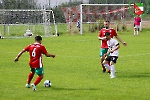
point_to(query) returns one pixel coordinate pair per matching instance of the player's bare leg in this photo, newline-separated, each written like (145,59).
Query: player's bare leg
(103,67)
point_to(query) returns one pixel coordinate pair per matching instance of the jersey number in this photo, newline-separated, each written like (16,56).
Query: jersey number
(33,52)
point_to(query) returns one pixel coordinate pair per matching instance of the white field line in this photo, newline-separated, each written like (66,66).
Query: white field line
(135,55)
(92,57)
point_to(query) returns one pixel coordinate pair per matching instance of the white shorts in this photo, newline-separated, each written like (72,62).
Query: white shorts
(137,26)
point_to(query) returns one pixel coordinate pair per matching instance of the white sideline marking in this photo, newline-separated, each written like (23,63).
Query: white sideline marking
(92,57)
(142,54)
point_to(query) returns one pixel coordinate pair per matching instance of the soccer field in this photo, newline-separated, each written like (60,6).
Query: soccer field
(75,72)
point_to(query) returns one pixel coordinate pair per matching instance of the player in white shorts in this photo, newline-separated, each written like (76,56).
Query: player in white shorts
(137,22)
(113,53)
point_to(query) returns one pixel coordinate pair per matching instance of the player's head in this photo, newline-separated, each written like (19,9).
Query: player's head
(38,39)
(138,15)
(106,24)
(107,34)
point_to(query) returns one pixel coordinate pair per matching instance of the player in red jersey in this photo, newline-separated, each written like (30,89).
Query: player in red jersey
(36,66)
(104,46)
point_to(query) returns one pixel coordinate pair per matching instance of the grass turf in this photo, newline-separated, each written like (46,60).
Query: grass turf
(75,73)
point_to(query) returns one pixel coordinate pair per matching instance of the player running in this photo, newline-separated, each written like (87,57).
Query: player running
(104,46)
(36,66)
(113,46)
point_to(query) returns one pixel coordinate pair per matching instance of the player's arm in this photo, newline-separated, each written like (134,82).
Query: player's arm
(50,55)
(117,47)
(111,51)
(18,56)
(106,53)
(139,21)
(45,52)
(100,37)
(119,39)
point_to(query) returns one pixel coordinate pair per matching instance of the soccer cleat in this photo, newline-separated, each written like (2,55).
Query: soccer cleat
(108,72)
(27,86)
(103,70)
(34,87)
(112,76)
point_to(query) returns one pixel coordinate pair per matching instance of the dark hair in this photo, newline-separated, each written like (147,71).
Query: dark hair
(107,21)
(107,33)
(38,38)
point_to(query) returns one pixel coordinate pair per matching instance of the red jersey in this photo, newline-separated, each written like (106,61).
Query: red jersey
(35,51)
(102,34)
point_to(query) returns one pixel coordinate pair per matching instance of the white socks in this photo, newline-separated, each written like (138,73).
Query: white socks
(107,66)
(112,68)
(112,75)
(136,32)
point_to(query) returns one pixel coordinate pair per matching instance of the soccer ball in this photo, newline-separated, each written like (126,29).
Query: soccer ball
(47,83)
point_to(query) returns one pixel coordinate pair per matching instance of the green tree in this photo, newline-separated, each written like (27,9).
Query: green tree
(114,1)
(18,4)
(59,15)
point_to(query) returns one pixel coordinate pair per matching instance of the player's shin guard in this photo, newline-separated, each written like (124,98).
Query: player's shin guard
(30,76)
(38,80)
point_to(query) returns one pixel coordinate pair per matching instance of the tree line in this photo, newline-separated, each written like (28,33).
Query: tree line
(59,15)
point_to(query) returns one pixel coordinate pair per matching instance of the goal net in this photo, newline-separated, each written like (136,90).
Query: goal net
(24,22)
(92,16)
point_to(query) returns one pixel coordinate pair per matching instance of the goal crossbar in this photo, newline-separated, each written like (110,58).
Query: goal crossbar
(107,4)
(81,11)
(23,10)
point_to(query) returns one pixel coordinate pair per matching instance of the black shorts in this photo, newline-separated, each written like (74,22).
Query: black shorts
(112,58)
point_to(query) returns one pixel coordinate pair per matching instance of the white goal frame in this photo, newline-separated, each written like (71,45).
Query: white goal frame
(81,11)
(46,22)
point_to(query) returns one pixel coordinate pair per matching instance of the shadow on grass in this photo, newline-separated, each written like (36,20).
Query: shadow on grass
(73,89)
(58,88)
(136,75)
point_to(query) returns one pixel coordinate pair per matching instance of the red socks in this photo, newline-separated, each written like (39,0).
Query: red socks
(38,80)
(30,76)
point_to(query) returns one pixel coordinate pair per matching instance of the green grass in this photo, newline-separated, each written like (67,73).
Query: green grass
(75,73)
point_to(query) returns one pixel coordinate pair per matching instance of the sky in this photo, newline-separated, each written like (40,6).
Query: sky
(53,3)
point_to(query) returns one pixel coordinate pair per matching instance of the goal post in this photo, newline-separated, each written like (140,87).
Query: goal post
(92,16)
(105,12)
(17,22)
(47,22)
